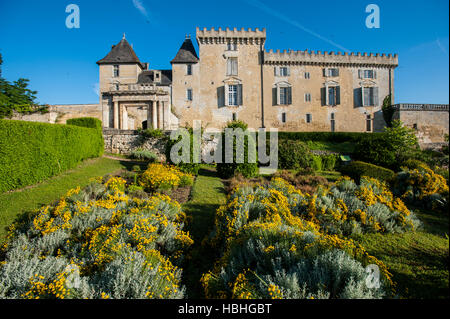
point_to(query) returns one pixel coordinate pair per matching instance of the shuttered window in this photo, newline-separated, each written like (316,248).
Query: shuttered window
(282,71)
(333,95)
(330,72)
(284,95)
(370,96)
(232,95)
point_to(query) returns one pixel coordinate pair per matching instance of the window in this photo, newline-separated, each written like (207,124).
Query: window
(232,95)
(189,94)
(283,117)
(232,46)
(333,123)
(369,96)
(368,123)
(308,118)
(116,71)
(284,95)
(307,75)
(189,69)
(367,74)
(330,72)
(415,126)
(234,116)
(232,66)
(333,95)
(307,97)
(282,71)
(117,86)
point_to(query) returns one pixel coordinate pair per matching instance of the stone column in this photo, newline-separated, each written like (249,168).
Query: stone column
(149,114)
(124,118)
(154,115)
(160,115)
(116,114)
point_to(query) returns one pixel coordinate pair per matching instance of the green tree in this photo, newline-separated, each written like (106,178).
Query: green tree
(388,110)
(15,96)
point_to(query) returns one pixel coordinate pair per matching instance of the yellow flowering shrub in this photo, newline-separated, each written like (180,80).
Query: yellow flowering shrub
(422,186)
(108,237)
(162,177)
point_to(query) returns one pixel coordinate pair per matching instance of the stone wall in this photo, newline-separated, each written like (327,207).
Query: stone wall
(125,141)
(430,121)
(61,113)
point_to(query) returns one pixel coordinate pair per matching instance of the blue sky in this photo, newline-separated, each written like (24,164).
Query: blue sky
(60,62)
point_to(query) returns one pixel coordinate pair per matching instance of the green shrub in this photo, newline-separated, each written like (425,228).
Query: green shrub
(151,133)
(335,137)
(227,170)
(189,168)
(329,162)
(293,154)
(355,170)
(143,154)
(31,152)
(316,163)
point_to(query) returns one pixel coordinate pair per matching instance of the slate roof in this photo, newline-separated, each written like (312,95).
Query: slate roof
(121,53)
(148,77)
(186,54)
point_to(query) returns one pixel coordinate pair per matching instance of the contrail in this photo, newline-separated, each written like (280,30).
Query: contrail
(138,5)
(281,16)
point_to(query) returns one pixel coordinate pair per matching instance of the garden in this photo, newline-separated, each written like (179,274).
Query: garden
(312,230)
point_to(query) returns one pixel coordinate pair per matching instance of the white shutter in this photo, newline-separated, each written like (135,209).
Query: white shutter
(229,66)
(277,71)
(360,75)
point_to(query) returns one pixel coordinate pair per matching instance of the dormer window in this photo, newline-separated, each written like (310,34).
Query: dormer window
(232,46)
(116,71)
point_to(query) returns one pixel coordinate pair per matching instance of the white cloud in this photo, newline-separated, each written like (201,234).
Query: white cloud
(138,5)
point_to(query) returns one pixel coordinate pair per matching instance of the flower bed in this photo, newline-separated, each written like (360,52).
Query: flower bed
(273,241)
(97,243)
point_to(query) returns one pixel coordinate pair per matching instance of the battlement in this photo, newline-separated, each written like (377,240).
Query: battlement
(330,58)
(222,35)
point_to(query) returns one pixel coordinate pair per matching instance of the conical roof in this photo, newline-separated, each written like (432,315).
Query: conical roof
(121,53)
(186,54)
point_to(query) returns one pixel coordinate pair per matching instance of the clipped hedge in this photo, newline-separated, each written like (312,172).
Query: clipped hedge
(31,152)
(85,122)
(336,137)
(357,169)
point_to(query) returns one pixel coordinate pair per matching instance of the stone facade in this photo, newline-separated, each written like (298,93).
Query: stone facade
(264,78)
(431,121)
(125,141)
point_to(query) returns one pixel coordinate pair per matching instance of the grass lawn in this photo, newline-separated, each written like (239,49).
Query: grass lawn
(207,195)
(15,203)
(419,261)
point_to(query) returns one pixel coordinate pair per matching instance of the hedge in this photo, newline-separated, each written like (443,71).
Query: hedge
(85,122)
(31,152)
(336,137)
(357,169)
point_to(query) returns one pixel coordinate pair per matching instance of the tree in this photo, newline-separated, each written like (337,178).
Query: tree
(388,110)
(15,96)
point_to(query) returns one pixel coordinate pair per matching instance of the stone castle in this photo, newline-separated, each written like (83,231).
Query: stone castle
(233,77)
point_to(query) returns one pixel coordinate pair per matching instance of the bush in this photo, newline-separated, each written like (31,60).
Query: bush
(393,147)
(31,152)
(151,133)
(355,170)
(189,168)
(267,247)
(334,137)
(160,177)
(293,155)
(329,162)
(316,163)
(227,170)
(422,186)
(97,243)
(143,154)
